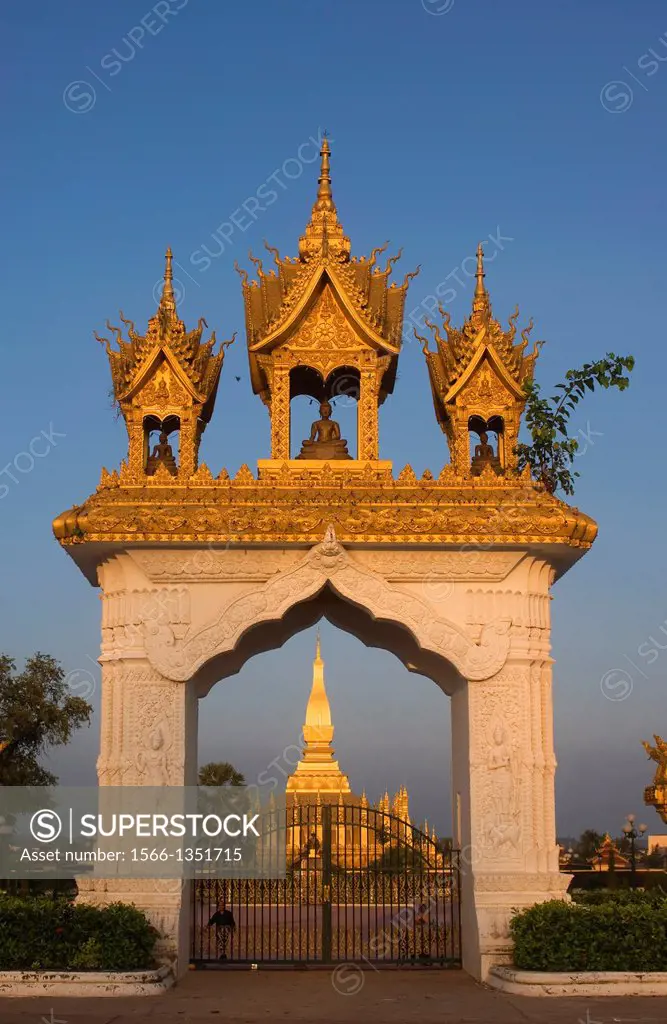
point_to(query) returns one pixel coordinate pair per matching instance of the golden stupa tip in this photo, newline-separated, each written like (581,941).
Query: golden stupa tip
(168,300)
(318,656)
(324,196)
(479,286)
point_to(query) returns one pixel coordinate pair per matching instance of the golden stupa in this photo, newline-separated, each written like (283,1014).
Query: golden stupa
(361,833)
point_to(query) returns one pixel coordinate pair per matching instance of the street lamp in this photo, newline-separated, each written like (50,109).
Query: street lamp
(633,835)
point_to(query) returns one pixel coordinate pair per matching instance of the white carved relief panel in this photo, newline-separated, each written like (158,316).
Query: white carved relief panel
(201,565)
(500,763)
(144,728)
(530,613)
(477,564)
(128,615)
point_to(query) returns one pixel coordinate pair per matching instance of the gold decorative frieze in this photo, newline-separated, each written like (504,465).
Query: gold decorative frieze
(296,508)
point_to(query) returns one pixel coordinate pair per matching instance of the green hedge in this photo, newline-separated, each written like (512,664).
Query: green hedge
(604,931)
(594,897)
(55,935)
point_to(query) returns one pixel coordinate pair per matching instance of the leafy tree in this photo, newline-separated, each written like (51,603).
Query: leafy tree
(444,845)
(37,712)
(220,773)
(397,859)
(383,835)
(624,845)
(588,844)
(551,451)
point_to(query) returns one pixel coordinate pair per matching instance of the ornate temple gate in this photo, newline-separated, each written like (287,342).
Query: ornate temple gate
(387,896)
(451,572)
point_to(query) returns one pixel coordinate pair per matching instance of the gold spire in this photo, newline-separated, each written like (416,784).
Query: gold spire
(317,771)
(168,299)
(324,236)
(480,303)
(318,726)
(480,275)
(324,199)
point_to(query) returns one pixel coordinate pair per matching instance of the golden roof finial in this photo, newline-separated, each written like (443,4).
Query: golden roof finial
(318,656)
(324,199)
(480,275)
(168,299)
(480,303)
(324,236)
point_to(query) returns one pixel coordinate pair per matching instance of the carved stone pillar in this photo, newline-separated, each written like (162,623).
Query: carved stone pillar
(510,438)
(280,414)
(187,446)
(367,416)
(136,457)
(148,737)
(460,446)
(503,777)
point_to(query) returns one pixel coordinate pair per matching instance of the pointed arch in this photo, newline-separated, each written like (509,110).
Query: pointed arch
(328,564)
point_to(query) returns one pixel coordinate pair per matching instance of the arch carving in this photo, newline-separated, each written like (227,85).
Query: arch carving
(329,563)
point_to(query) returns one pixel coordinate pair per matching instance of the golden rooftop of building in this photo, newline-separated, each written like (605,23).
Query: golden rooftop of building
(319,323)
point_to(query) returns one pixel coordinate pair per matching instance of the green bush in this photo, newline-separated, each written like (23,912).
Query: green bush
(42,934)
(594,897)
(610,931)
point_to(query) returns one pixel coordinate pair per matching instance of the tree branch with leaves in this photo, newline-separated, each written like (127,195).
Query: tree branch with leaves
(37,712)
(552,451)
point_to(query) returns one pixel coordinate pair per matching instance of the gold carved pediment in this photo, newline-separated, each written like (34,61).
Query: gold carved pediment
(325,339)
(325,328)
(485,393)
(162,391)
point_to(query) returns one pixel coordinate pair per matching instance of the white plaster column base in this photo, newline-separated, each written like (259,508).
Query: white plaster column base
(32,984)
(581,983)
(164,901)
(496,900)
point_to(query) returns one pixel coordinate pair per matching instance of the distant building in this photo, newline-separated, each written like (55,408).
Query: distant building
(565,856)
(657,844)
(609,857)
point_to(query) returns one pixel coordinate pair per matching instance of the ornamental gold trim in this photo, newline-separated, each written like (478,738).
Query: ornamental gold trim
(364,504)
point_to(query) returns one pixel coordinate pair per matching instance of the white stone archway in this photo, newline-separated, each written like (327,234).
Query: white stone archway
(451,572)
(175,620)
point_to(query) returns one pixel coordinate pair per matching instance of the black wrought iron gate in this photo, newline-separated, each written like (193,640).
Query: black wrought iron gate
(362,886)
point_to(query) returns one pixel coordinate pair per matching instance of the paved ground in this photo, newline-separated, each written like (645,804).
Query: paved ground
(386,997)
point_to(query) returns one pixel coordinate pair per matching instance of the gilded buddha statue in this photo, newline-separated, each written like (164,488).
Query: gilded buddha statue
(484,456)
(325,442)
(162,456)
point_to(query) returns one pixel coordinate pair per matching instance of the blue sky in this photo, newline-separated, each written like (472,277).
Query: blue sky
(450,123)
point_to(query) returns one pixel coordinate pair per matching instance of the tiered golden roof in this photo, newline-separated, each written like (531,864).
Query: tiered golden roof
(321,311)
(315,322)
(196,363)
(166,379)
(478,373)
(461,349)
